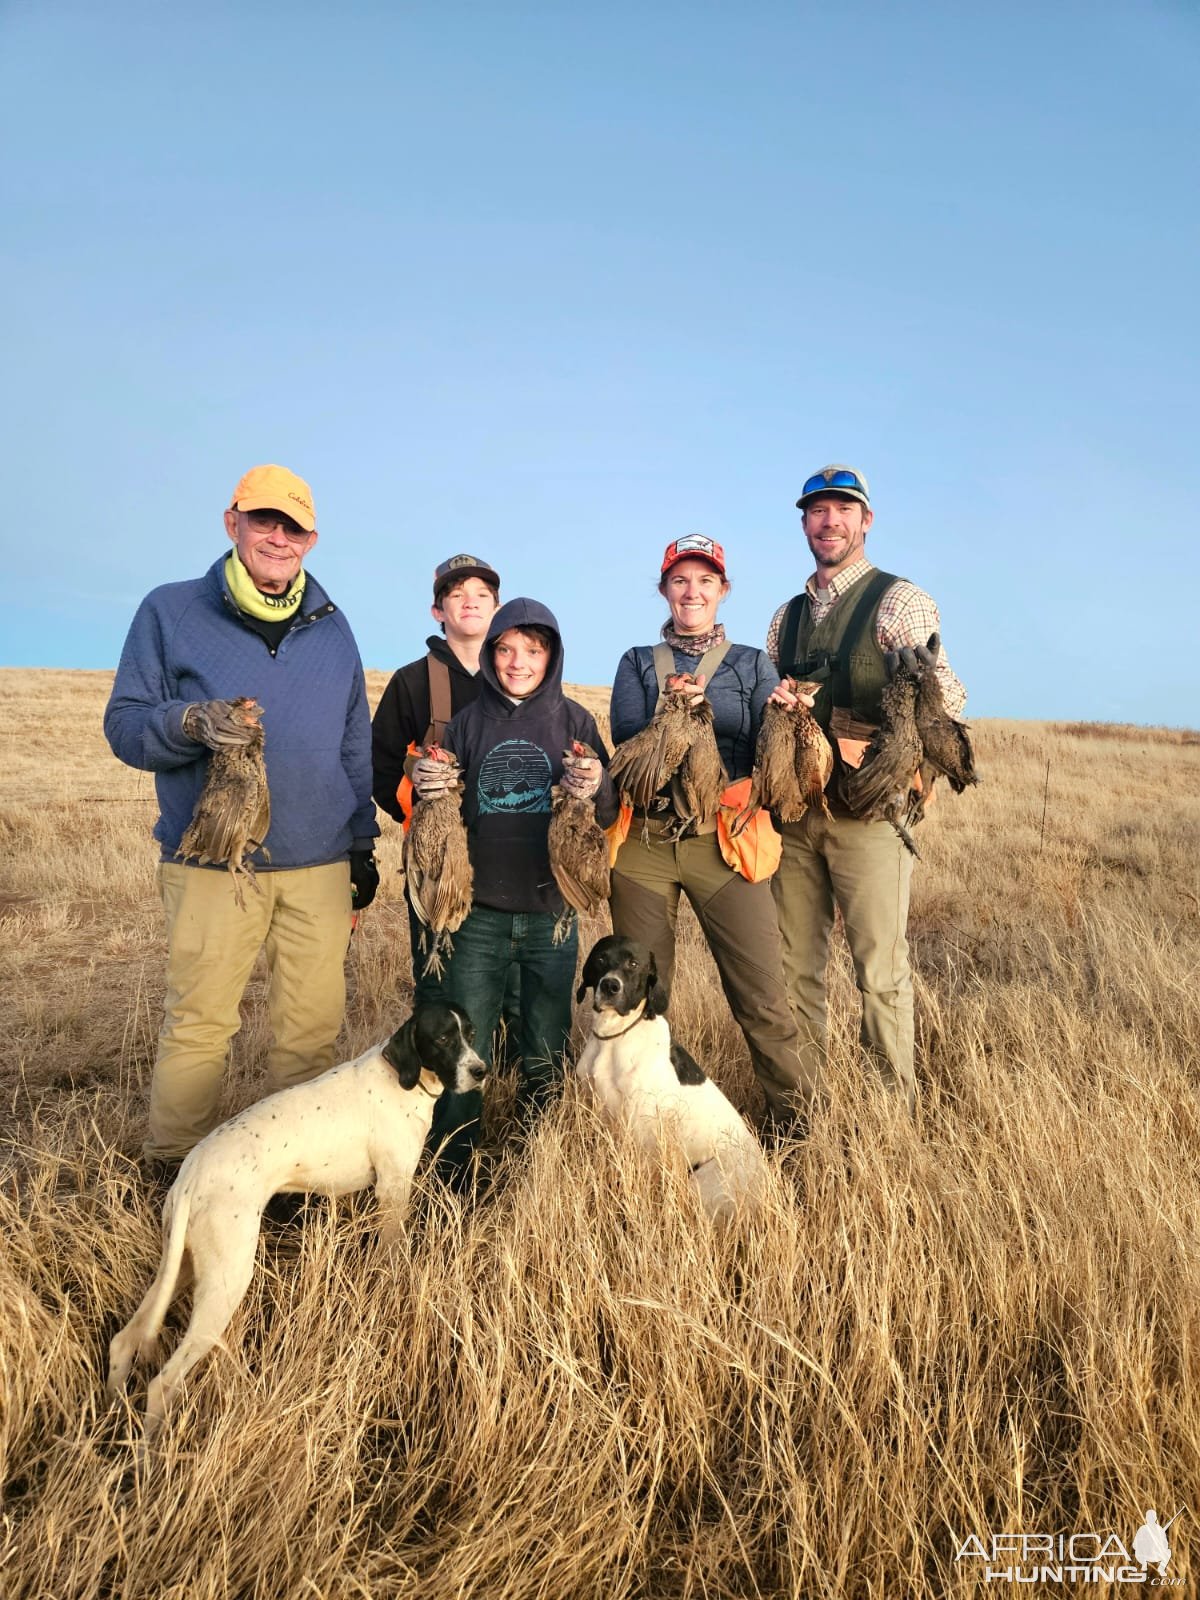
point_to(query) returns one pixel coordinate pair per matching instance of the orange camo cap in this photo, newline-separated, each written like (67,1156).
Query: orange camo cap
(274,488)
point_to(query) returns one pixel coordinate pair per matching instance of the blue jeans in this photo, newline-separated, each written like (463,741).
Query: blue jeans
(430,988)
(485,947)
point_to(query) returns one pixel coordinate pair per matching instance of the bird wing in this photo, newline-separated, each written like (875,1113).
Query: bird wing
(886,772)
(775,758)
(702,775)
(438,864)
(454,885)
(578,853)
(231,804)
(814,759)
(947,743)
(641,765)
(892,756)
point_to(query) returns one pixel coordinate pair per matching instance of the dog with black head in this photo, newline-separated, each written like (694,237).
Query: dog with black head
(364,1122)
(647,1084)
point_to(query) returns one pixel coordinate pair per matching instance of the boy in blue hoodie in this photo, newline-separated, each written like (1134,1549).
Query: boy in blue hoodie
(510,744)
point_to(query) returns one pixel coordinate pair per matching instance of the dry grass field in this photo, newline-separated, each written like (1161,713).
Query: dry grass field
(985,1323)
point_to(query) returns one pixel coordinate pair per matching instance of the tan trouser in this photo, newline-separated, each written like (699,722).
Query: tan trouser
(303,919)
(863,868)
(738,921)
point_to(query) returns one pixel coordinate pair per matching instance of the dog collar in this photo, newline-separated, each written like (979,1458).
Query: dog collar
(621,1032)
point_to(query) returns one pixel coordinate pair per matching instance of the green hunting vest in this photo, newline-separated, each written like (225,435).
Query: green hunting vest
(841,652)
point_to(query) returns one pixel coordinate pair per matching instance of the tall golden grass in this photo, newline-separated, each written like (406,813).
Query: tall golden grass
(984,1322)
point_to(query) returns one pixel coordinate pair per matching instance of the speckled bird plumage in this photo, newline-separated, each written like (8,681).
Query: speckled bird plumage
(578,850)
(946,743)
(643,764)
(677,746)
(233,812)
(697,787)
(437,866)
(814,753)
(793,761)
(881,788)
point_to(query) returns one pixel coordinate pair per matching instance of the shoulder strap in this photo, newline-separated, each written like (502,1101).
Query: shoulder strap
(872,593)
(712,659)
(664,664)
(789,634)
(439,699)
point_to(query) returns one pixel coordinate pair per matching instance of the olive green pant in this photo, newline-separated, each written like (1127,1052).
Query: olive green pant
(738,922)
(863,869)
(302,918)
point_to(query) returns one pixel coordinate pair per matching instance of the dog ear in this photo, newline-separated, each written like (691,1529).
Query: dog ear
(401,1052)
(587,978)
(656,994)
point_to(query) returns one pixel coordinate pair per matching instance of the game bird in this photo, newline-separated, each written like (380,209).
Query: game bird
(677,747)
(793,761)
(881,788)
(578,849)
(438,866)
(233,812)
(946,743)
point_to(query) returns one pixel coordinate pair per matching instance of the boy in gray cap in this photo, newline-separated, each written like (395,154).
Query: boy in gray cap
(422,697)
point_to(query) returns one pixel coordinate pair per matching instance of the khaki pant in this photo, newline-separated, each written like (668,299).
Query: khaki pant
(303,919)
(865,870)
(738,921)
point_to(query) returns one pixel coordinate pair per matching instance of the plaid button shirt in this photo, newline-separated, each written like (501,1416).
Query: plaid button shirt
(907,616)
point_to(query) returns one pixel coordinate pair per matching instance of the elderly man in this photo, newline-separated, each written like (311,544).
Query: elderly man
(255,625)
(847,630)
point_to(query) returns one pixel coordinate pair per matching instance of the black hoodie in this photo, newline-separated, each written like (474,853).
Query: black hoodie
(403,717)
(511,754)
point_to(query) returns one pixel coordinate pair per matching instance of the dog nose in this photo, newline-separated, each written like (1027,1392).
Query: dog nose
(609,985)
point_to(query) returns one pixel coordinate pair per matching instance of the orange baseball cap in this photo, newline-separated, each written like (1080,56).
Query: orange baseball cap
(693,544)
(276,489)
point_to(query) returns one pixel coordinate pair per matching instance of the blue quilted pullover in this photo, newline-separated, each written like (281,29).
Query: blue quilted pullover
(188,641)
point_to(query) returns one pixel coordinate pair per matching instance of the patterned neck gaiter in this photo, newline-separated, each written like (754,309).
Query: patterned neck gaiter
(693,644)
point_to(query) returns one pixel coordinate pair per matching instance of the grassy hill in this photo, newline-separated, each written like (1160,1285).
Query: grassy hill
(982,1323)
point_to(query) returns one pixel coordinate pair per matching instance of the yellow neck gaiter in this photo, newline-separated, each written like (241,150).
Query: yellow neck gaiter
(266,607)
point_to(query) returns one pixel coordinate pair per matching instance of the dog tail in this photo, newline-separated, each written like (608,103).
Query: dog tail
(176,1214)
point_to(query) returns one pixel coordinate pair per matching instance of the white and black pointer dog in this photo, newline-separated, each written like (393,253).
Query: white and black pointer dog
(364,1122)
(646,1083)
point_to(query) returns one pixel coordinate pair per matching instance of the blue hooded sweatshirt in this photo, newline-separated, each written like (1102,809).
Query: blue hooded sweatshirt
(188,641)
(511,754)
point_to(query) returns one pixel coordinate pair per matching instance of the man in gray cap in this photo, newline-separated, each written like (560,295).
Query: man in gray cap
(849,629)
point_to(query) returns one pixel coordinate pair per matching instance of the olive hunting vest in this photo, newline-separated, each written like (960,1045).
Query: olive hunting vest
(841,653)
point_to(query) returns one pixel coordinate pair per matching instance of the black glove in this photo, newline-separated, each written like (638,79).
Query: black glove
(913,658)
(364,878)
(220,724)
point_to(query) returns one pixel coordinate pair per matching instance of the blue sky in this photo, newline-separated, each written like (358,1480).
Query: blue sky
(556,283)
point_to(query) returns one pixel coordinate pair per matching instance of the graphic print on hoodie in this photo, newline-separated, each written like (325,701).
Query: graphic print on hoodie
(511,756)
(515,776)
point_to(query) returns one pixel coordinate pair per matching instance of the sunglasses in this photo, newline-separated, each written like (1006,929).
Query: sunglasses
(833,480)
(264,521)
